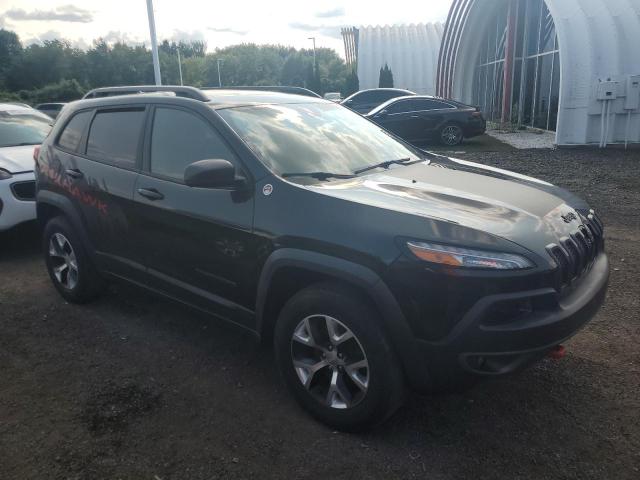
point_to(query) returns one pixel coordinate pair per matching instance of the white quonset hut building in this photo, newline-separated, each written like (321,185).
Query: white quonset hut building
(572,66)
(411,51)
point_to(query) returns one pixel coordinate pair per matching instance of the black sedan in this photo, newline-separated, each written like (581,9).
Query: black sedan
(50,109)
(423,119)
(366,100)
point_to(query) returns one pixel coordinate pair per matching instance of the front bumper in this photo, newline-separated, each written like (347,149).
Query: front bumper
(487,343)
(12,209)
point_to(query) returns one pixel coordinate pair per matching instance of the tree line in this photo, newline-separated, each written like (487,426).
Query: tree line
(57,71)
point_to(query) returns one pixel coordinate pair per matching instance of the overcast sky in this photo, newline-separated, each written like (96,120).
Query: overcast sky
(287,22)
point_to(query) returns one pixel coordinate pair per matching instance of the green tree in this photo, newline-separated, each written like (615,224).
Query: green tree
(32,70)
(194,71)
(40,65)
(119,64)
(313,81)
(10,53)
(332,70)
(246,64)
(351,84)
(386,77)
(63,91)
(187,49)
(294,70)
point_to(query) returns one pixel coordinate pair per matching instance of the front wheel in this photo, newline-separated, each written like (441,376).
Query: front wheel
(451,135)
(335,358)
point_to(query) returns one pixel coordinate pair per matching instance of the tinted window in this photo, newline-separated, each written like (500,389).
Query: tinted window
(427,104)
(23,129)
(180,138)
(114,136)
(72,133)
(401,106)
(364,97)
(312,137)
(384,96)
(380,96)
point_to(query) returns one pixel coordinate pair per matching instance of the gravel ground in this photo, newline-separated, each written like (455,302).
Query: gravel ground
(525,139)
(133,387)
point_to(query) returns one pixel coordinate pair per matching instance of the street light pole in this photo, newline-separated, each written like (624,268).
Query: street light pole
(154,43)
(314,52)
(179,66)
(219,61)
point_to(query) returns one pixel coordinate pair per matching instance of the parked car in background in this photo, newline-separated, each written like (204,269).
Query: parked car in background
(333,96)
(50,109)
(21,127)
(366,100)
(391,267)
(422,119)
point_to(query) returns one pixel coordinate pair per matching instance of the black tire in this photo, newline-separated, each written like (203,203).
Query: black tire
(385,389)
(451,135)
(87,283)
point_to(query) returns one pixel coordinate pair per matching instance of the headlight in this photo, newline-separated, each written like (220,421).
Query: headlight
(464,257)
(4,174)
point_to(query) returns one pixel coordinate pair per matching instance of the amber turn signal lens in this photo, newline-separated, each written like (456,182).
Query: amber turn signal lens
(465,257)
(435,257)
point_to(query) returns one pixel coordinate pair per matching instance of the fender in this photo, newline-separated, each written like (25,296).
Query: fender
(394,322)
(65,205)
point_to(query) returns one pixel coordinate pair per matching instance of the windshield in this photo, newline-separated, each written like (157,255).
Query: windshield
(314,137)
(22,129)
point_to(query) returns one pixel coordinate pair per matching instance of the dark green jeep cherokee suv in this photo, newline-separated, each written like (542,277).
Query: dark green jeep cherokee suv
(370,265)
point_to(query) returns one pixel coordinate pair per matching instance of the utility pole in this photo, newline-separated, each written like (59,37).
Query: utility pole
(219,61)
(154,43)
(179,65)
(314,52)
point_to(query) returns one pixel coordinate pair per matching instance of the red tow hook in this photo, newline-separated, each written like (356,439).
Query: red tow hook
(557,352)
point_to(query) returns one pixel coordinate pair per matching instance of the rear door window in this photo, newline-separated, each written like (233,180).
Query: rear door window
(428,104)
(383,95)
(386,95)
(365,97)
(180,138)
(402,106)
(72,134)
(115,135)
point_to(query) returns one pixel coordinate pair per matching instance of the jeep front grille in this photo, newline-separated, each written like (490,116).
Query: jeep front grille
(575,253)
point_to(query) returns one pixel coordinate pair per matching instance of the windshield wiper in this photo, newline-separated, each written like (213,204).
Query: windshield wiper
(386,164)
(318,175)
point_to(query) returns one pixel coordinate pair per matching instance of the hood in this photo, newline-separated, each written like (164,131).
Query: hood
(17,159)
(517,208)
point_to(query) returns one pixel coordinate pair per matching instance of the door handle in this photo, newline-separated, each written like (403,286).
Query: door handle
(415,116)
(73,173)
(150,193)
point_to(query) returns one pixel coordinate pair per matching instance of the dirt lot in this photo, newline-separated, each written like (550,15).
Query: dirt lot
(133,387)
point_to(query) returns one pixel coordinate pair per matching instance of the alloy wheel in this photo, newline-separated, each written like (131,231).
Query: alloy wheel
(451,135)
(330,361)
(63,261)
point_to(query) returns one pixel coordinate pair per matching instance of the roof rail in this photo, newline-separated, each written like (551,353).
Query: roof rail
(274,88)
(178,90)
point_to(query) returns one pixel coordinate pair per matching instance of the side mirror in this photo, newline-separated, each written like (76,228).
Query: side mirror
(215,173)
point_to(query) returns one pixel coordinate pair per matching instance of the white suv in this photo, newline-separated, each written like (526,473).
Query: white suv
(21,128)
